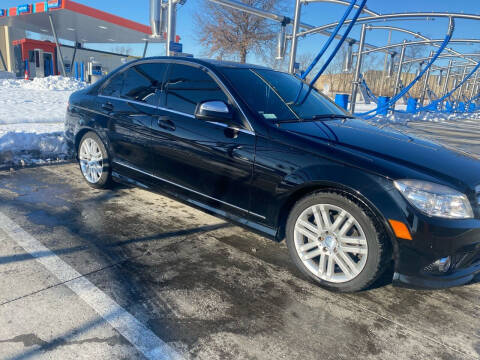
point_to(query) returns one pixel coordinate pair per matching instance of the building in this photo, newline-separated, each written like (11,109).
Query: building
(28,55)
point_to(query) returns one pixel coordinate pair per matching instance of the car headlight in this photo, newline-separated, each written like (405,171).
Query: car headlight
(435,200)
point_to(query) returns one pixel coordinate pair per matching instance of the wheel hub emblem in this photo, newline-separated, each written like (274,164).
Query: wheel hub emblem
(330,242)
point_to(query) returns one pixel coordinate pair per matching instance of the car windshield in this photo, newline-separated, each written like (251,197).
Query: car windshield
(273,95)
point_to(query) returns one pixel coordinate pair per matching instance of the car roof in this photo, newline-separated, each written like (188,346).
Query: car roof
(209,62)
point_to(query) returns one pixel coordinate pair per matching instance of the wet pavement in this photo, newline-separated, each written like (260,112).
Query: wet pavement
(208,289)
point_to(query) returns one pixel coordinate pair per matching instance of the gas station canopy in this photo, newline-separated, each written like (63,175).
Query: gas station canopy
(75,22)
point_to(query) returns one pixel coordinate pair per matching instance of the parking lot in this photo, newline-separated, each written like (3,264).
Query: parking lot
(117,274)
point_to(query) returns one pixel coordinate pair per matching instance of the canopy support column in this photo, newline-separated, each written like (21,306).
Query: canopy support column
(73,57)
(59,50)
(145,49)
(3,61)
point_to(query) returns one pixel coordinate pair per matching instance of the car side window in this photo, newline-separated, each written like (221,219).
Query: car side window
(144,83)
(114,86)
(187,86)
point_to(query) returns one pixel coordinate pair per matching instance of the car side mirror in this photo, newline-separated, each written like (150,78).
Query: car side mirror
(216,111)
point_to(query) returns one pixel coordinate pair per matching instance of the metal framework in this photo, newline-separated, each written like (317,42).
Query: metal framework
(291,29)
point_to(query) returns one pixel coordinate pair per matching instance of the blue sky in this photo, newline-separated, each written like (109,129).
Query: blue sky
(315,14)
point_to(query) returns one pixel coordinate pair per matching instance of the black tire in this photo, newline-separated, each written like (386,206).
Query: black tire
(105,180)
(378,249)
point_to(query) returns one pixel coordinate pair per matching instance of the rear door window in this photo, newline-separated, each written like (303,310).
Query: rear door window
(114,86)
(188,86)
(144,83)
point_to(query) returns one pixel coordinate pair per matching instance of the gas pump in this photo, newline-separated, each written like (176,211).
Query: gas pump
(94,71)
(39,64)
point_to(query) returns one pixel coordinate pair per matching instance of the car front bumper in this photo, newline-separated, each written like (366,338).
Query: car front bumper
(434,239)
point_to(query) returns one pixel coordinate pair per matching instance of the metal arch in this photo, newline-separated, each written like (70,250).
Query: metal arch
(396,28)
(420,42)
(234,4)
(440,57)
(434,56)
(376,15)
(418,35)
(373,13)
(255,11)
(340,2)
(395,16)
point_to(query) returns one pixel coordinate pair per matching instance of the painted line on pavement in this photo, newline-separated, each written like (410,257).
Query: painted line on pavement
(142,338)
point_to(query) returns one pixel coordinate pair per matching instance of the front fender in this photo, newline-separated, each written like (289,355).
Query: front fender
(377,193)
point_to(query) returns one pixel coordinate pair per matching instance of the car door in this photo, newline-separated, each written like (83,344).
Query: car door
(206,161)
(132,111)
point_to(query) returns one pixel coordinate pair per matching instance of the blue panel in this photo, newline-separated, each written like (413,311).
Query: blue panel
(342,100)
(76,71)
(433,106)
(449,106)
(82,71)
(21,9)
(176,47)
(382,105)
(3,12)
(412,106)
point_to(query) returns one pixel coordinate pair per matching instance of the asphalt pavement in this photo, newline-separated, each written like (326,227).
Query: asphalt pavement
(127,274)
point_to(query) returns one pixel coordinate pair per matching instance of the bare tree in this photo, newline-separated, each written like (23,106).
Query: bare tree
(230,33)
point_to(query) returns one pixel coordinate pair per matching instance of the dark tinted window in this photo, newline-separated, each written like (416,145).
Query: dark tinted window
(114,86)
(187,86)
(308,104)
(143,83)
(258,95)
(275,95)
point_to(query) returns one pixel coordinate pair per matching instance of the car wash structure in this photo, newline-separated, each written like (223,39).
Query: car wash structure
(28,55)
(459,88)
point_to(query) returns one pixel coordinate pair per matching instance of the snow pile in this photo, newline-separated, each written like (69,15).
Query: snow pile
(32,115)
(55,83)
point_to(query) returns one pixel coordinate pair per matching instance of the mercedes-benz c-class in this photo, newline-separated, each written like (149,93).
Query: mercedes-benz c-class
(264,150)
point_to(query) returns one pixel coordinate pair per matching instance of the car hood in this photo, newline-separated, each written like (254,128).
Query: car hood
(428,157)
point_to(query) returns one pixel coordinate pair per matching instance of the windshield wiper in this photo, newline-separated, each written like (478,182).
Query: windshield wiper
(332,116)
(316,118)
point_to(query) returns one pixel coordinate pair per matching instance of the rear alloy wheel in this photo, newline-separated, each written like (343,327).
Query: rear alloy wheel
(94,161)
(335,242)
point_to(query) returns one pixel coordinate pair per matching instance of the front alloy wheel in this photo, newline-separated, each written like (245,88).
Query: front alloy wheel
(335,242)
(331,243)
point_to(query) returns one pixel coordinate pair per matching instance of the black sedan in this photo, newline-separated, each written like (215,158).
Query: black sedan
(262,149)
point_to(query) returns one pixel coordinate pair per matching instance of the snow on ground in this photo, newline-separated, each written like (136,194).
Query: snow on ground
(32,117)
